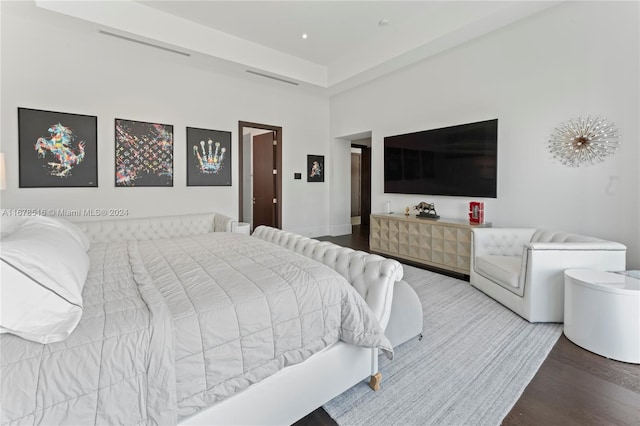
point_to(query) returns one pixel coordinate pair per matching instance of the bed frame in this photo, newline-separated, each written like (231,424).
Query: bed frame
(297,390)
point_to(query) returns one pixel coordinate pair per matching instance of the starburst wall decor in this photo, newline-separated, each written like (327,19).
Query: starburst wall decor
(583,141)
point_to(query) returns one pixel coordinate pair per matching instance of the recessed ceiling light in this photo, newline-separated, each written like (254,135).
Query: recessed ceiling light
(304,36)
(383,22)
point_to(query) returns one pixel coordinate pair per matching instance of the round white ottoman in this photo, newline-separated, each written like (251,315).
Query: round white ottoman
(602,313)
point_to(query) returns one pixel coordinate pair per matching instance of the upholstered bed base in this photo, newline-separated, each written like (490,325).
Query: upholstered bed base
(294,392)
(371,275)
(405,319)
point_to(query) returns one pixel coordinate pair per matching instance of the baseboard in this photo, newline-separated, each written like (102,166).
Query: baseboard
(322,231)
(346,229)
(319,231)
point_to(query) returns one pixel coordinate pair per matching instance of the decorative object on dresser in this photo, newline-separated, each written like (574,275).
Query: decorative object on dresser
(208,157)
(441,243)
(426,210)
(476,212)
(57,149)
(583,141)
(524,268)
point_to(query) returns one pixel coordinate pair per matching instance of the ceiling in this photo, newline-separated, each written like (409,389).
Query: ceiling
(334,28)
(346,45)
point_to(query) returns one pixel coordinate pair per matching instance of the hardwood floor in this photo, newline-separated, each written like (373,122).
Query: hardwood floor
(572,387)
(576,387)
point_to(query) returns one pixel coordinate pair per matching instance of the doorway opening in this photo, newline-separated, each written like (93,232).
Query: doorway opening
(361,183)
(260,172)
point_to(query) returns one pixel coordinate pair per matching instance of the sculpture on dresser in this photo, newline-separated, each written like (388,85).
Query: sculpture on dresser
(426,210)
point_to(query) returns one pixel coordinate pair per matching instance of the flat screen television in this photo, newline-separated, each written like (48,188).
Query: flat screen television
(458,161)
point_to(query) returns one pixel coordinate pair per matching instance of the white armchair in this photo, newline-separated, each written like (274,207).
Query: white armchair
(524,268)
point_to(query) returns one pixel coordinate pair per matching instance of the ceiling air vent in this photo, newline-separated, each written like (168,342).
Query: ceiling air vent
(272,77)
(143,42)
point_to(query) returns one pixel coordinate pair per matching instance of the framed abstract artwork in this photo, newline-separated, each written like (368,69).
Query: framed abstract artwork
(315,168)
(208,157)
(144,153)
(57,149)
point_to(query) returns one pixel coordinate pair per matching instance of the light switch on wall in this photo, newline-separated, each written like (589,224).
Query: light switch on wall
(611,187)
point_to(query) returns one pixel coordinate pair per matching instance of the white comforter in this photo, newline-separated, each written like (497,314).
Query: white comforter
(174,325)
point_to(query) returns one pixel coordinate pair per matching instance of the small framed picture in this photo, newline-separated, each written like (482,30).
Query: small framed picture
(57,149)
(208,157)
(144,154)
(315,168)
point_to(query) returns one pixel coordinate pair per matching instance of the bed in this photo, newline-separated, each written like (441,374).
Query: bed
(183,321)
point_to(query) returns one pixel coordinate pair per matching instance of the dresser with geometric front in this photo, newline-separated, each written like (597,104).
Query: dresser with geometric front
(442,243)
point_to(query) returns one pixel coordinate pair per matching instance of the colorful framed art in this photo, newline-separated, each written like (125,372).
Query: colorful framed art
(315,168)
(208,157)
(144,153)
(57,149)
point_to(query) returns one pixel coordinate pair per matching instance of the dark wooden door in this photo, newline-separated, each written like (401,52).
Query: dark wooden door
(355,184)
(263,181)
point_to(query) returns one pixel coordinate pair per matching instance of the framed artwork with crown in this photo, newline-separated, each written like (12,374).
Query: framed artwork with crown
(208,157)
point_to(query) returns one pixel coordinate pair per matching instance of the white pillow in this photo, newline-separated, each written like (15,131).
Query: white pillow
(71,228)
(9,224)
(44,266)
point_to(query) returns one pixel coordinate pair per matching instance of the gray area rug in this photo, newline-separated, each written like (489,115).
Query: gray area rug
(474,362)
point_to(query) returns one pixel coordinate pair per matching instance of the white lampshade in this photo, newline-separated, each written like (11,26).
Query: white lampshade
(3,181)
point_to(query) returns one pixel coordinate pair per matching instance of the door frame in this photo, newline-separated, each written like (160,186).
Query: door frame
(278,159)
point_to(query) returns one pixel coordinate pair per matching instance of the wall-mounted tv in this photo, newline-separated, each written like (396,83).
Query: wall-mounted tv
(458,160)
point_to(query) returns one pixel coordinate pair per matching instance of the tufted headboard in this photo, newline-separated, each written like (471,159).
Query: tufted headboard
(371,275)
(153,228)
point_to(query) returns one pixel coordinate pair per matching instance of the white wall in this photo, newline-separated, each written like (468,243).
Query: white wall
(57,63)
(340,181)
(572,60)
